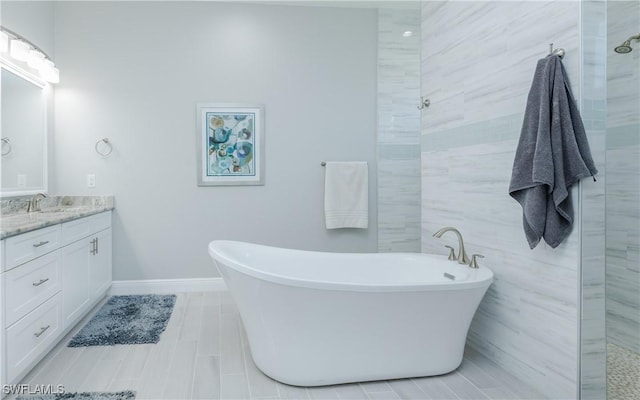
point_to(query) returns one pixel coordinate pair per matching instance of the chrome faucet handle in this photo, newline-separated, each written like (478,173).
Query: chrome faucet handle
(474,262)
(462,255)
(452,252)
(34,202)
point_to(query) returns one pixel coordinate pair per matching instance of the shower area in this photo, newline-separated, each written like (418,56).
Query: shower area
(622,288)
(610,89)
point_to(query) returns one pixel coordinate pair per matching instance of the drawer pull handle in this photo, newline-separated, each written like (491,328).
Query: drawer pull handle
(42,330)
(40,282)
(40,244)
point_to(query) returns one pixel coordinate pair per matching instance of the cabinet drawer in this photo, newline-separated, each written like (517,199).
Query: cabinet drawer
(2,255)
(100,221)
(30,285)
(75,230)
(29,338)
(27,246)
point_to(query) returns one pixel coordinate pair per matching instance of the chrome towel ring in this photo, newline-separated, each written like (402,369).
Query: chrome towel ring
(106,149)
(6,143)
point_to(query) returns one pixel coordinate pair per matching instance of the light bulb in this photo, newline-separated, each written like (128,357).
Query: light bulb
(49,72)
(36,59)
(4,42)
(19,50)
(54,76)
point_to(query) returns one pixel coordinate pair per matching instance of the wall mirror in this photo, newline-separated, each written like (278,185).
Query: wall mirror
(23,135)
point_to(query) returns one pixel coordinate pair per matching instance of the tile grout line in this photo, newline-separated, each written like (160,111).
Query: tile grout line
(173,356)
(113,378)
(450,388)
(244,353)
(419,388)
(66,370)
(219,295)
(366,393)
(472,384)
(93,367)
(195,359)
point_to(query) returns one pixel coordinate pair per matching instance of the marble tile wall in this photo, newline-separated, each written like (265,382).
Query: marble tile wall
(592,206)
(486,54)
(398,130)
(623,245)
(623,178)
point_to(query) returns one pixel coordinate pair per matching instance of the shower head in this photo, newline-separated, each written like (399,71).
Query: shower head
(625,47)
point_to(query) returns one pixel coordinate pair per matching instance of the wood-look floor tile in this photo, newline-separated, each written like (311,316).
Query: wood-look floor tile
(204,354)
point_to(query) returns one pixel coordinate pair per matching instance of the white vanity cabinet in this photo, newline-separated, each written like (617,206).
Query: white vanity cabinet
(86,264)
(51,278)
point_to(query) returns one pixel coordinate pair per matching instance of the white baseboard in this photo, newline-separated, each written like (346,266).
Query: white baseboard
(161,286)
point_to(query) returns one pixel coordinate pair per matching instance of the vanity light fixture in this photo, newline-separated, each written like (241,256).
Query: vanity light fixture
(49,72)
(36,59)
(4,42)
(27,56)
(19,50)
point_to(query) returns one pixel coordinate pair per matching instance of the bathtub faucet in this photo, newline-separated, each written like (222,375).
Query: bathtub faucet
(462,255)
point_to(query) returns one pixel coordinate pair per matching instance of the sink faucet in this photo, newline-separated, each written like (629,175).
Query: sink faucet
(34,203)
(462,255)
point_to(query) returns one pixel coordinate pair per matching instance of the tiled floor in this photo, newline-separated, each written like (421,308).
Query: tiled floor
(204,354)
(623,373)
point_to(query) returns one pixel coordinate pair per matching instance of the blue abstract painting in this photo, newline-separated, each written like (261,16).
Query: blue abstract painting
(231,143)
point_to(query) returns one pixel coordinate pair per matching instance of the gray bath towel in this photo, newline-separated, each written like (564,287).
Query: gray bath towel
(553,154)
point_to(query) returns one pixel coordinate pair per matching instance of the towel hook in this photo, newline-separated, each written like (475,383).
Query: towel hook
(424,103)
(557,52)
(6,143)
(109,147)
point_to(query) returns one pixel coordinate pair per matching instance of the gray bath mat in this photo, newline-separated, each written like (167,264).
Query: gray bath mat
(127,320)
(126,395)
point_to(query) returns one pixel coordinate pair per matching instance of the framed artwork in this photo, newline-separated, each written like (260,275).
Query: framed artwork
(230,144)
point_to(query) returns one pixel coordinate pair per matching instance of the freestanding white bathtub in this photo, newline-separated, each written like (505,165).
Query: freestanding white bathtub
(317,318)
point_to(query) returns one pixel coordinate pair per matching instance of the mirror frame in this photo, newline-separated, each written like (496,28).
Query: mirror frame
(16,70)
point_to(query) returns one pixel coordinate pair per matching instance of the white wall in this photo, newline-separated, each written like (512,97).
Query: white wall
(133,72)
(478,60)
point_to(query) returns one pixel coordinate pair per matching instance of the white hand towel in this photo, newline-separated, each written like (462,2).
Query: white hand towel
(346,195)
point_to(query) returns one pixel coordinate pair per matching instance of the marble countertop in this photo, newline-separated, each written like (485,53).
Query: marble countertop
(54,212)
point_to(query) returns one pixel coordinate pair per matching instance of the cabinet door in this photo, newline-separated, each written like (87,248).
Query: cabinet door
(75,279)
(100,264)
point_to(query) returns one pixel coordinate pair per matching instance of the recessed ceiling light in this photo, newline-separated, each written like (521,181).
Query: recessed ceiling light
(407,34)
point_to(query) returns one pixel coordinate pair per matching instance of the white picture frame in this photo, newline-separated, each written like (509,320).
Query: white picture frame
(230,144)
